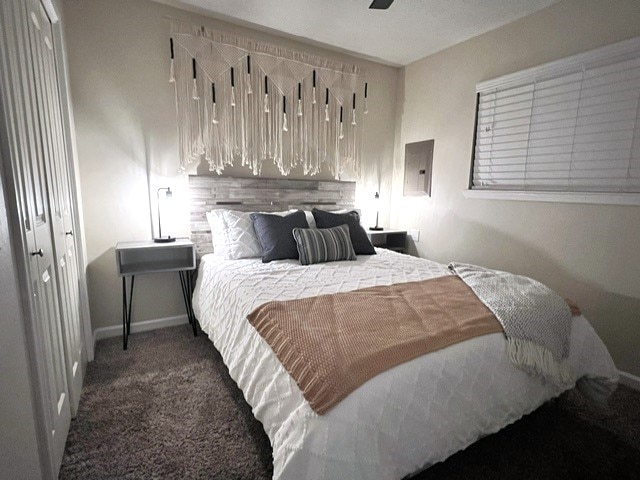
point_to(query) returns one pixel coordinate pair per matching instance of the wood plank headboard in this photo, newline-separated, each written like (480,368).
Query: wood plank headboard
(207,192)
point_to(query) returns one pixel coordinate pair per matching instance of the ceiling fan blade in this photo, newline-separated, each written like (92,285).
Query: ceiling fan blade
(380,4)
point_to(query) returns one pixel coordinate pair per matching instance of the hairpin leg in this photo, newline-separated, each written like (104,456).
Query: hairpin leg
(126,310)
(187,290)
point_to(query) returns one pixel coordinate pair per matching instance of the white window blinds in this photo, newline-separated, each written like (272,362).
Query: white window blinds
(570,126)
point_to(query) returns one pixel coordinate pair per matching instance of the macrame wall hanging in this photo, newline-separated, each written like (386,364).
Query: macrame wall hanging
(247,102)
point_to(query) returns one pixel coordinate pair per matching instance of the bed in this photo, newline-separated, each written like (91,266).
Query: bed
(402,420)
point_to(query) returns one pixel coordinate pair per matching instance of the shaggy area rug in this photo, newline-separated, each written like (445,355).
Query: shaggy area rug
(167,408)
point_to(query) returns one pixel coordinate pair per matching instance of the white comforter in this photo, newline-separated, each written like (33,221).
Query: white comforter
(397,423)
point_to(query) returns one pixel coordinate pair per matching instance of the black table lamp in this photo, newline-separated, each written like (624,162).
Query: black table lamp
(376,199)
(160,238)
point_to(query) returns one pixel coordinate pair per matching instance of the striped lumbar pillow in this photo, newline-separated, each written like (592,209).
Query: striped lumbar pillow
(324,245)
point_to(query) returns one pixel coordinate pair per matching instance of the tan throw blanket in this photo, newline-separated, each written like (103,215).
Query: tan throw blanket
(332,344)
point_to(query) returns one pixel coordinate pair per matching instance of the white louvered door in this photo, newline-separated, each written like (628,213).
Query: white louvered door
(47,284)
(31,140)
(61,205)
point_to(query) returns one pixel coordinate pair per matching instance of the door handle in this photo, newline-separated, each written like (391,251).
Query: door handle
(37,252)
(70,232)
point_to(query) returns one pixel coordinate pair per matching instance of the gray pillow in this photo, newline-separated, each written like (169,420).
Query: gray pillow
(323,245)
(275,234)
(359,239)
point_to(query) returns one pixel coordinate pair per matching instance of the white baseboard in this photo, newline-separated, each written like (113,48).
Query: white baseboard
(629,380)
(144,326)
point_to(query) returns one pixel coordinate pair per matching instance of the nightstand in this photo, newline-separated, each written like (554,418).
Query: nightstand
(139,258)
(395,240)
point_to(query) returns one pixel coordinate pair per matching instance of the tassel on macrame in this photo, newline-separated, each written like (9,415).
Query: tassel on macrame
(326,105)
(249,89)
(353,111)
(299,112)
(266,95)
(172,76)
(194,90)
(366,105)
(313,91)
(233,89)
(341,136)
(285,127)
(214,114)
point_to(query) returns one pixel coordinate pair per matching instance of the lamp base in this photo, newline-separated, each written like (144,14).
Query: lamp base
(168,239)
(376,229)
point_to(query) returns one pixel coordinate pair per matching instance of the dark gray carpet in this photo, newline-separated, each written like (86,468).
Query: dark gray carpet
(167,408)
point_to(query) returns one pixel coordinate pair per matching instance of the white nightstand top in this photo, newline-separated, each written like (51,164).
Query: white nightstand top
(385,231)
(180,242)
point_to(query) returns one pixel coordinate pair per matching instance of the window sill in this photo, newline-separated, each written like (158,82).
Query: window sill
(563,197)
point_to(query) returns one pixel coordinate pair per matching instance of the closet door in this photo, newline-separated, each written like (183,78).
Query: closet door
(35,139)
(60,198)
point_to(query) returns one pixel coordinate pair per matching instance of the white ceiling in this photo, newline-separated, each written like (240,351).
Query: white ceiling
(407,31)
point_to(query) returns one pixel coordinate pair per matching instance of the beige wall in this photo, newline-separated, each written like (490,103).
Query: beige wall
(125,124)
(587,252)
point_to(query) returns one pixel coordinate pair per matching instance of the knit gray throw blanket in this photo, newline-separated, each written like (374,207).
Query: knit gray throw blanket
(535,319)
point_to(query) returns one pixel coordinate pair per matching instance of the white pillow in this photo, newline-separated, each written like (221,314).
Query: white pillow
(282,214)
(232,235)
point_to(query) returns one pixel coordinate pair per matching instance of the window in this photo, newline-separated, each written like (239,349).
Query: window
(568,126)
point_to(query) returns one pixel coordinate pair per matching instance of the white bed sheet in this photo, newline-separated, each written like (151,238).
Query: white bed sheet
(399,422)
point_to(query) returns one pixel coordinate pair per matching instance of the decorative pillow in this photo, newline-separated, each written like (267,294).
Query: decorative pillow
(233,235)
(312,221)
(324,245)
(274,234)
(361,243)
